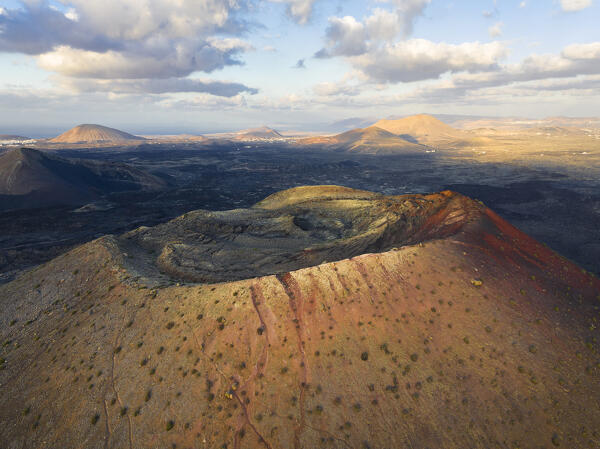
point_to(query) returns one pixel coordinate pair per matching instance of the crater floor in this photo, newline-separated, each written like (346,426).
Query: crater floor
(293,229)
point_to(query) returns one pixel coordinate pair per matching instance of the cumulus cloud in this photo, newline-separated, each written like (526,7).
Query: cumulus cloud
(346,36)
(378,48)
(158,62)
(137,39)
(299,10)
(575,5)
(577,67)
(588,51)
(37,29)
(407,11)
(420,59)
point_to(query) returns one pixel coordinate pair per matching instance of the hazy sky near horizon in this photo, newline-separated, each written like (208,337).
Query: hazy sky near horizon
(215,65)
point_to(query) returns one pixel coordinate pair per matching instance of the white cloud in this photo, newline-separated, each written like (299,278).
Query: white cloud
(383,24)
(141,19)
(185,58)
(420,59)
(205,102)
(156,86)
(299,10)
(575,5)
(327,89)
(522,4)
(408,11)
(135,39)
(71,14)
(577,67)
(582,51)
(496,29)
(346,36)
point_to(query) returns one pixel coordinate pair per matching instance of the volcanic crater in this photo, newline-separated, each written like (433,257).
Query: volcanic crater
(469,335)
(288,231)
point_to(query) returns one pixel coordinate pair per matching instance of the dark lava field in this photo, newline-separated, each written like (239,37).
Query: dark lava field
(556,205)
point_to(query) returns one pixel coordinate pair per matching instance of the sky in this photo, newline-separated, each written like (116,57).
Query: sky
(200,66)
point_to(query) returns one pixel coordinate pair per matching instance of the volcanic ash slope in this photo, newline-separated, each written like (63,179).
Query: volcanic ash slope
(434,323)
(94,134)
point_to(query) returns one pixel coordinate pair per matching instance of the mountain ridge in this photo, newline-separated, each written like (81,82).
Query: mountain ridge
(262,132)
(371,140)
(31,178)
(423,127)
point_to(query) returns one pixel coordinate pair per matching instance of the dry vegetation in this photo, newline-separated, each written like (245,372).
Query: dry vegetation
(478,338)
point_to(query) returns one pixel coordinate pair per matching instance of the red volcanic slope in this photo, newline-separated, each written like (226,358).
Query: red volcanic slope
(472,336)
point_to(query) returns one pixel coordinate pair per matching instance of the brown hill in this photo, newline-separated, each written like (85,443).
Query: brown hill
(434,324)
(371,140)
(258,133)
(31,178)
(423,128)
(94,134)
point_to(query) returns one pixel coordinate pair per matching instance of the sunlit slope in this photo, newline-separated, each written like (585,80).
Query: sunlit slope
(462,333)
(94,134)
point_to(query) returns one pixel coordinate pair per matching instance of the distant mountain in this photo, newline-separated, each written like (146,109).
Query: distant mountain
(12,137)
(30,178)
(422,128)
(94,134)
(520,123)
(371,140)
(258,133)
(177,137)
